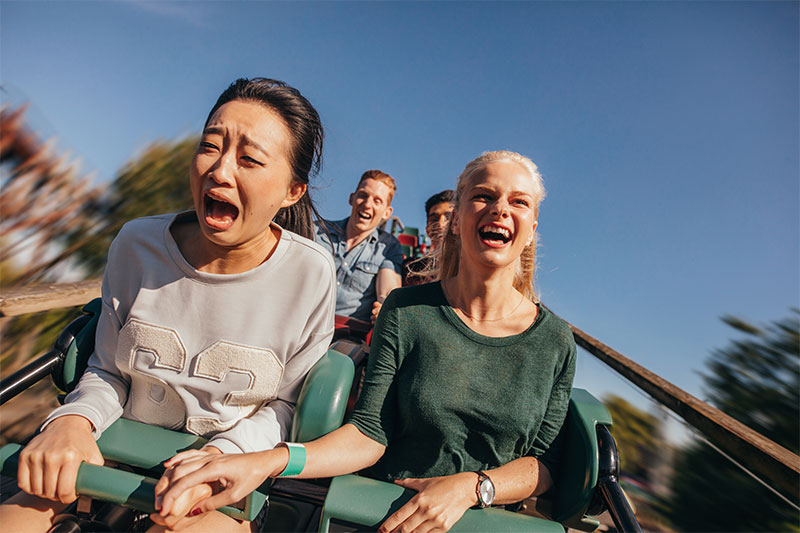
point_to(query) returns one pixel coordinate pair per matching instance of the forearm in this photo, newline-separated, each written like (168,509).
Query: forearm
(343,451)
(519,479)
(386,281)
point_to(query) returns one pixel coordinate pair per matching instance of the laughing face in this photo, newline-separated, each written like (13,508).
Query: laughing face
(241,175)
(371,206)
(496,217)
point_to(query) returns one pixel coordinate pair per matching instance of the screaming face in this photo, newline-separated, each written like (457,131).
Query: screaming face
(241,176)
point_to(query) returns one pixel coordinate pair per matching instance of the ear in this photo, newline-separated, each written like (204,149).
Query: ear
(454,228)
(295,192)
(533,233)
(350,198)
(387,213)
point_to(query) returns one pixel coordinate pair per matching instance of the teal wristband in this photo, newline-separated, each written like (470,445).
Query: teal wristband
(297,459)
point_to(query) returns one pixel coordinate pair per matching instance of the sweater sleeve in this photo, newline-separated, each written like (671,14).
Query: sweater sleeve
(556,412)
(272,423)
(102,391)
(374,412)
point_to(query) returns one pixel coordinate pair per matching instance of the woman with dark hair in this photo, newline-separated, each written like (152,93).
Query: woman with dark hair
(212,317)
(467,383)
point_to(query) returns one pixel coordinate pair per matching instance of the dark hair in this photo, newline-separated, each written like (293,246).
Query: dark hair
(438,198)
(305,152)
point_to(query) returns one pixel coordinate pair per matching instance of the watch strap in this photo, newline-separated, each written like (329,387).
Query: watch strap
(481,478)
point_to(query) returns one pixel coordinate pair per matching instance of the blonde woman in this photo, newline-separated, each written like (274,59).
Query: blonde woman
(468,378)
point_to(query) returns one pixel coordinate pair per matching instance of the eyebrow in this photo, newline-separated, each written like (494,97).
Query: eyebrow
(492,189)
(216,130)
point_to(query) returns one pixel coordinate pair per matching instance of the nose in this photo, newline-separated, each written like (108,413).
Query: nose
(500,207)
(224,169)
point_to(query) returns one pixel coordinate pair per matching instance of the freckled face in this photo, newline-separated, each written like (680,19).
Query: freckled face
(496,217)
(371,205)
(241,174)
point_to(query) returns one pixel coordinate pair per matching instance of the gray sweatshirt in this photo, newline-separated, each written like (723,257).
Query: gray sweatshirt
(222,356)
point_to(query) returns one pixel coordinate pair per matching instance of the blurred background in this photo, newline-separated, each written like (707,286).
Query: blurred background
(667,134)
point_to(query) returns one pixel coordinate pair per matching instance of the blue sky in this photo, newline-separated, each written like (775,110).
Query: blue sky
(667,133)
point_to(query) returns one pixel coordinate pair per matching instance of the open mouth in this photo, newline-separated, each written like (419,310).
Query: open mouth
(219,213)
(366,217)
(494,235)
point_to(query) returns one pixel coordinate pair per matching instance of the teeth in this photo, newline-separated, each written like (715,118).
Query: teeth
(497,229)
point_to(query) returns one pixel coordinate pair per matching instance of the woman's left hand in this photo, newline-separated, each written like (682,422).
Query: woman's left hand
(180,513)
(439,504)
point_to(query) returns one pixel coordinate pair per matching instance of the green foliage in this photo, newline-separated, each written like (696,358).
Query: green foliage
(637,434)
(757,381)
(155,182)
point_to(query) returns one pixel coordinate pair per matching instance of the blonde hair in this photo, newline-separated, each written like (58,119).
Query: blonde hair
(448,256)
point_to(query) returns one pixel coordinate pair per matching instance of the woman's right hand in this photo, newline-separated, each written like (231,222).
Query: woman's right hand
(48,465)
(239,474)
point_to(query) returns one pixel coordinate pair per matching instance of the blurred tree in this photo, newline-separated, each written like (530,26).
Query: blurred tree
(42,197)
(155,182)
(757,381)
(76,225)
(637,433)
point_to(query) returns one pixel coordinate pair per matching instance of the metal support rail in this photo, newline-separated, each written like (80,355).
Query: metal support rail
(608,481)
(762,456)
(44,297)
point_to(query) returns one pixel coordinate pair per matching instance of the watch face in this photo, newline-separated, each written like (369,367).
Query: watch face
(487,492)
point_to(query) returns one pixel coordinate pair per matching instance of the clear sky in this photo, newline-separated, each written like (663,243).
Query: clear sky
(667,133)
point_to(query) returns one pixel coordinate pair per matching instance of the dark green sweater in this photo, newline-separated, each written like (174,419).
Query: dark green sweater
(444,399)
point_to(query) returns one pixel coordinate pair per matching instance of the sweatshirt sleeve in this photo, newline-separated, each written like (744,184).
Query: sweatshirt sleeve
(102,391)
(271,424)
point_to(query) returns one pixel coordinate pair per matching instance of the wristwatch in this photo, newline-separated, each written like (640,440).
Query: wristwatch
(484,489)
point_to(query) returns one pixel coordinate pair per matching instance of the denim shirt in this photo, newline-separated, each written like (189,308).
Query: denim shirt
(357,269)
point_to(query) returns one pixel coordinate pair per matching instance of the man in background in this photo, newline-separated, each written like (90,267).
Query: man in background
(368,260)
(438,209)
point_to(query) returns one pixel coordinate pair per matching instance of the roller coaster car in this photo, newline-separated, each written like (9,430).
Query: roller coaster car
(586,484)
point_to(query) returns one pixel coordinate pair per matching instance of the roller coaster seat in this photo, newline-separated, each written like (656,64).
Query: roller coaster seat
(366,502)
(320,409)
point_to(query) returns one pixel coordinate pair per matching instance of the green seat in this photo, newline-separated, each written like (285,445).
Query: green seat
(408,230)
(351,499)
(367,502)
(320,409)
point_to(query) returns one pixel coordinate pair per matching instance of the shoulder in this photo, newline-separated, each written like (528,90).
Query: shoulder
(307,254)
(387,238)
(325,229)
(555,330)
(427,294)
(145,225)
(390,248)
(330,226)
(554,322)
(143,230)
